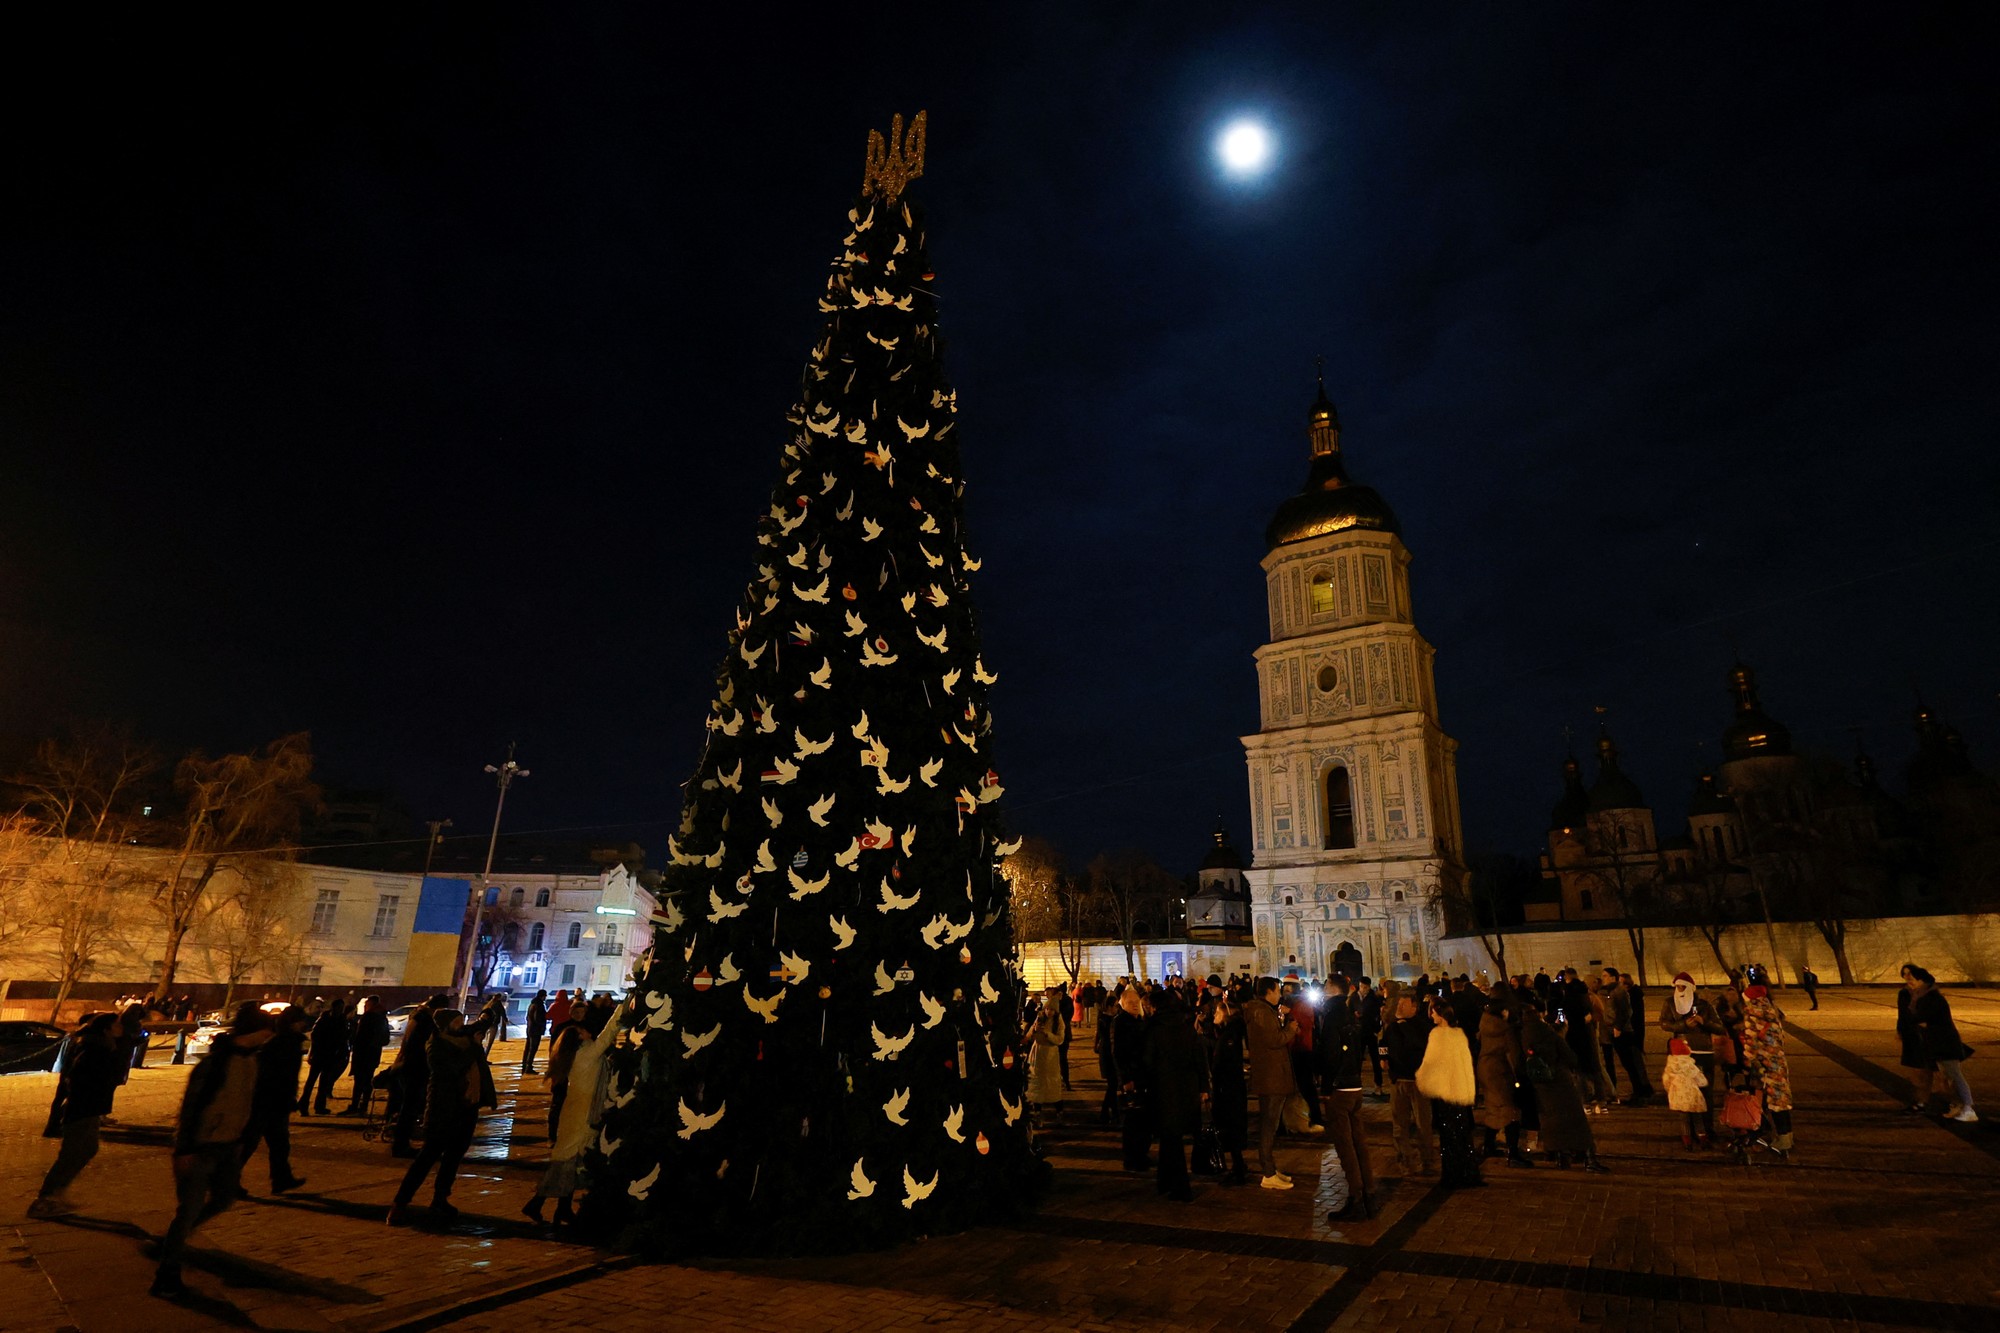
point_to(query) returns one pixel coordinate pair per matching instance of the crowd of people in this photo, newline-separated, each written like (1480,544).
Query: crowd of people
(1511,1071)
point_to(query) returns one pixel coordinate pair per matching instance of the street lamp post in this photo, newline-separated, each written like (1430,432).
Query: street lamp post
(504,775)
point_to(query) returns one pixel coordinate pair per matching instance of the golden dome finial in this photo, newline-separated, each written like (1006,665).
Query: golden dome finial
(891,166)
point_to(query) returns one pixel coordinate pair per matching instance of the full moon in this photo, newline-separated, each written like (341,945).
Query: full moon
(1245,146)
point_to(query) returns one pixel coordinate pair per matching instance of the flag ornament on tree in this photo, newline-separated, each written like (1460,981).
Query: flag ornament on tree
(829,1057)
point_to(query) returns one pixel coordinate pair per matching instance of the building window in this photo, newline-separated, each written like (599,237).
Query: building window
(323,909)
(309,975)
(535,938)
(532,976)
(1397,896)
(385,915)
(510,938)
(517,897)
(569,974)
(1328,678)
(374,976)
(576,934)
(1339,808)
(493,896)
(1583,899)
(541,897)
(1322,594)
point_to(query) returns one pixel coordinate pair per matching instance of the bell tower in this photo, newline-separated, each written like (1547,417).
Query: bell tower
(1353,782)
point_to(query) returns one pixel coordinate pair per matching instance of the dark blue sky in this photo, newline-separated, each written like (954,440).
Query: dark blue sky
(420,383)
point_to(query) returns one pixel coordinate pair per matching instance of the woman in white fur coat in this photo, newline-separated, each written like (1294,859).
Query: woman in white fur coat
(1446,1077)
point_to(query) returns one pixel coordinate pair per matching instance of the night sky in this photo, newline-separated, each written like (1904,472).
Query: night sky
(419,382)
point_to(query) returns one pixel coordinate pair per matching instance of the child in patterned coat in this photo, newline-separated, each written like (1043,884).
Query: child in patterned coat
(1686,1092)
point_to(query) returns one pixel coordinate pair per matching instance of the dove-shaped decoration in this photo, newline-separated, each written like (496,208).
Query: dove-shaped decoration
(803,888)
(933,932)
(796,968)
(733,779)
(750,657)
(824,676)
(860,729)
(817,593)
(846,860)
(896,902)
(981,674)
(782,772)
(643,1186)
(772,812)
(859,1186)
(913,433)
(888,786)
(933,561)
(1011,1110)
(987,994)
(933,1011)
(881,834)
(934,640)
(672,918)
(808,747)
(871,658)
(765,864)
(1007,848)
(929,771)
(693,1124)
(884,983)
(797,560)
(910,841)
(856,626)
(765,1009)
(913,1193)
(870,529)
(843,934)
(720,911)
(954,1125)
(725,971)
(896,1106)
(949,680)
(692,1042)
(887,1047)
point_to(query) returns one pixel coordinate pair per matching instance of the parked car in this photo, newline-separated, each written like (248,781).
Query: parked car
(399,1022)
(26,1046)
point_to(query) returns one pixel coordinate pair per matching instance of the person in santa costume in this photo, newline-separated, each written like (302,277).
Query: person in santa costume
(1693,1020)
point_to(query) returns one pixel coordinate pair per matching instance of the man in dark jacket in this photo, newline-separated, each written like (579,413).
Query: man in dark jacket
(460,1085)
(413,1076)
(1340,1050)
(1403,1045)
(327,1059)
(1371,1026)
(276,1092)
(371,1035)
(92,1065)
(216,1113)
(1628,1036)
(537,1024)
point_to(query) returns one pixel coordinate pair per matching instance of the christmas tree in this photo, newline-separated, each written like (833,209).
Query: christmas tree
(826,1028)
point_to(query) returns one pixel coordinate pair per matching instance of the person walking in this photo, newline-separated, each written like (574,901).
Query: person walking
(1555,1067)
(1923,1070)
(1179,1083)
(537,1023)
(1342,1045)
(1809,983)
(1046,1038)
(89,1066)
(274,1097)
(1500,1077)
(216,1112)
(412,1070)
(1268,1033)
(492,1022)
(1229,1093)
(327,1057)
(371,1037)
(586,1068)
(1065,1008)
(1940,1042)
(559,1009)
(1404,1043)
(460,1085)
(1128,1050)
(1446,1078)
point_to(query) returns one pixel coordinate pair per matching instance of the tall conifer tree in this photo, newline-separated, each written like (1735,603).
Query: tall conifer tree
(826,1033)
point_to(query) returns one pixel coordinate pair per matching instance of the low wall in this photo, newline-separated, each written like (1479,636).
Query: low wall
(1955,948)
(1104,960)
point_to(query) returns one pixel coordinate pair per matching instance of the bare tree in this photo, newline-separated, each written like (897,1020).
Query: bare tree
(256,925)
(81,791)
(1632,874)
(233,805)
(23,849)
(1134,889)
(1484,901)
(498,923)
(1049,904)
(1703,901)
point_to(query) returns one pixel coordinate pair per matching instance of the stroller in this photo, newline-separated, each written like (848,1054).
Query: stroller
(383,1103)
(1747,1131)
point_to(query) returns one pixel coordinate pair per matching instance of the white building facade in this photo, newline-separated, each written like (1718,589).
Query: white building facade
(1353,782)
(566,931)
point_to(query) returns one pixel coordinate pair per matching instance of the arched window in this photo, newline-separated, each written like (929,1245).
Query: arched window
(535,938)
(517,897)
(576,934)
(1322,594)
(1583,899)
(1339,808)
(541,897)
(510,936)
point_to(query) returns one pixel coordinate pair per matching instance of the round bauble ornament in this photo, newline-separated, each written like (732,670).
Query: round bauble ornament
(979,1142)
(847,591)
(964,956)
(826,992)
(1007,1058)
(703,980)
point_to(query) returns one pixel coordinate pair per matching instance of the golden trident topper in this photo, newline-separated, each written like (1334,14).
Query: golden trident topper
(893,165)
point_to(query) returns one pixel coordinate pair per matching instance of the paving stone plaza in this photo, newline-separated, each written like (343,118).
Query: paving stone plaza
(1882,1220)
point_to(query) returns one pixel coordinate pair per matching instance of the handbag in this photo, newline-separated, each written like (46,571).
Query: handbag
(1743,1110)
(1725,1050)
(1538,1069)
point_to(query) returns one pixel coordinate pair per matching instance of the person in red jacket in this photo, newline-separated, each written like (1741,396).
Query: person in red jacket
(1305,1016)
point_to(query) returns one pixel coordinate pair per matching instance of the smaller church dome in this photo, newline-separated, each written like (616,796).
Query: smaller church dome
(1612,790)
(1708,799)
(1754,734)
(1574,807)
(1222,856)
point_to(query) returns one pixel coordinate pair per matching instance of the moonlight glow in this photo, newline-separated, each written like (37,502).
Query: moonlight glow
(1244,147)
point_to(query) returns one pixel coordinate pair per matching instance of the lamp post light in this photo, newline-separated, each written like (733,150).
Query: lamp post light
(504,775)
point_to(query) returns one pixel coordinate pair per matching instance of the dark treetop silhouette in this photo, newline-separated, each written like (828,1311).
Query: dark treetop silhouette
(826,1025)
